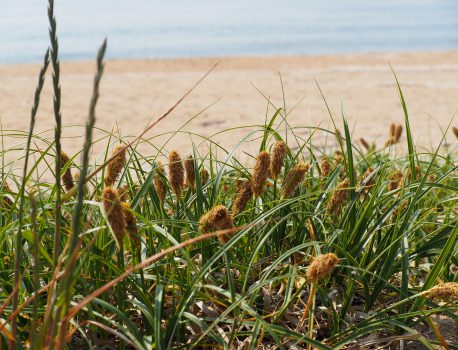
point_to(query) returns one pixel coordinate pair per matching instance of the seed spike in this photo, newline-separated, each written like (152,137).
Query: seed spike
(322,266)
(365,188)
(115,213)
(123,192)
(204,176)
(325,167)
(159,178)
(398,133)
(260,173)
(338,198)
(365,143)
(216,219)
(455,131)
(115,167)
(190,172)
(278,158)
(67,178)
(6,202)
(176,173)
(294,177)
(131,225)
(244,194)
(447,292)
(395,181)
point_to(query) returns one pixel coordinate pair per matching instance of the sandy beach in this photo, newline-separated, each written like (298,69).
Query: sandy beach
(133,92)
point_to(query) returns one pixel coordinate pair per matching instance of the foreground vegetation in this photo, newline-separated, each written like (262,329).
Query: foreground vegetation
(300,246)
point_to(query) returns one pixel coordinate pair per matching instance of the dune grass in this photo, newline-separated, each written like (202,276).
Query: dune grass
(300,246)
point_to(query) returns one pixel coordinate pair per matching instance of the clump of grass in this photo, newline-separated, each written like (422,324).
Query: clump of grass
(174,286)
(272,236)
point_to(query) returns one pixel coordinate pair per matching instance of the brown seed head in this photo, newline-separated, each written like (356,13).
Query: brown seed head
(176,173)
(399,210)
(115,213)
(216,219)
(294,177)
(395,134)
(455,131)
(390,141)
(339,157)
(322,266)
(278,158)
(260,173)
(6,202)
(338,198)
(204,176)
(159,178)
(131,225)
(244,194)
(365,188)
(392,130)
(67,178)
(395,180)
(398,133)
(365,143)
(447,292)
(76,178)
(6,187)
(190,172)
(325,167)
(123,193)
(115,167)
(338,135)
(417,173)
(238,184)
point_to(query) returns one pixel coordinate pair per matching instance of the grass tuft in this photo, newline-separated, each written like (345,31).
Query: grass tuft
(330,247)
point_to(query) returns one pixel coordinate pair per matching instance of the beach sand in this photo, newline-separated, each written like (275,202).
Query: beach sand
(134,92)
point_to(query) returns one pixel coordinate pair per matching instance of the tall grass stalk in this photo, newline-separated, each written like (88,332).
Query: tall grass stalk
(68,282)
(19,247)
(58,128)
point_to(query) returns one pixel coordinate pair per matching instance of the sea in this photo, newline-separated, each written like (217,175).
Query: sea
(196,28)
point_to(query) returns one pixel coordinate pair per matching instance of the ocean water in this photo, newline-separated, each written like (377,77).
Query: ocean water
(190,28)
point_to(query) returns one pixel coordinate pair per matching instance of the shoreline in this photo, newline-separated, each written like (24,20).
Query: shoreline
(135,91)
(433,57)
